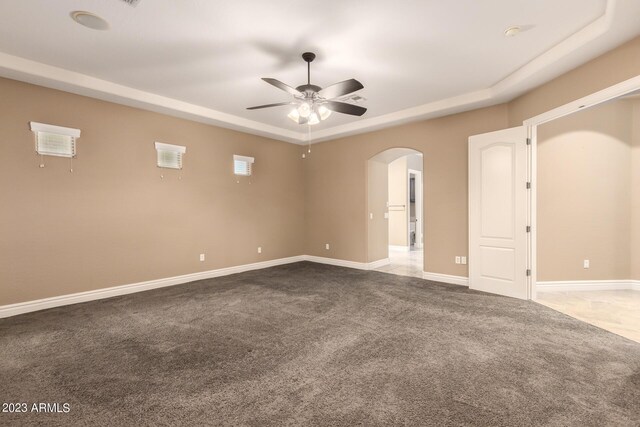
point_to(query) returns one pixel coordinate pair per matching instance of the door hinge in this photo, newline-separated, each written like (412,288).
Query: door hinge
(528,272)
(528,141)
(528,186)
(528,229)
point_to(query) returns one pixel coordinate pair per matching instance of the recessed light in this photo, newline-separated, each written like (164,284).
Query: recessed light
(512,31)
(89,20)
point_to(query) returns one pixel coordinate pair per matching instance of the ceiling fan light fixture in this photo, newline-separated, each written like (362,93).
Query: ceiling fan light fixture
(314,119)
(324,112)
(311,100)
(294,115)
(304,110)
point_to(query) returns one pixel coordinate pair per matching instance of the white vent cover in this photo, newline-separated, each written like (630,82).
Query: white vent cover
(55,140)
(242,165)
(170,156)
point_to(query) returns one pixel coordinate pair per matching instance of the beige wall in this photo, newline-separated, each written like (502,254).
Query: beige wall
(584,194)
(398,203)
(635,193)
(336,176)
(378,228)
(617,65)
(113,221)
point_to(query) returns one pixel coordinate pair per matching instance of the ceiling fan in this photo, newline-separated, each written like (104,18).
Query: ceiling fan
(313,103)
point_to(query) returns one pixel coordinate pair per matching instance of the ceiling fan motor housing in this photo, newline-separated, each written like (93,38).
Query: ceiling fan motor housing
(308,56)
(308,89)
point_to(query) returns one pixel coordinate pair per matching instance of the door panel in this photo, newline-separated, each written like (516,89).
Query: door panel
(498,212)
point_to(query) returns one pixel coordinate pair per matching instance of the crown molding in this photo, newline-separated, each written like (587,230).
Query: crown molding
(26,70)
(29,71)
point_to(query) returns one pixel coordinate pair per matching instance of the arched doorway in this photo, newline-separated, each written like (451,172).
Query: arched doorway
(395,226)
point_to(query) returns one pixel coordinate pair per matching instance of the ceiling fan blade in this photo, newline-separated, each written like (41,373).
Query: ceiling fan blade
(277,104)
(339,89)
(343,107)
(284,87)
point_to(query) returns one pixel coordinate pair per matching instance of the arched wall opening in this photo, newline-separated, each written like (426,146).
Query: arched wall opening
(395,200)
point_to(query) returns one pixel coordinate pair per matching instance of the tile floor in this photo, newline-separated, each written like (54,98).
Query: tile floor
(614,311)
(404,263)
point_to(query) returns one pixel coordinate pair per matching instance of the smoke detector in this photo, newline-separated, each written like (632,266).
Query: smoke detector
(512,31)
(89,20)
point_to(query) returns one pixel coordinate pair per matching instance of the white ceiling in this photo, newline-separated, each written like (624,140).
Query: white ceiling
(203,59)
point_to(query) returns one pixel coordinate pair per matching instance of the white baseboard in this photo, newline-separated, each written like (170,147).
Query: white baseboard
(588,285)
(400,248)
(41,304)
(446,278)
(379,263)
(345,263)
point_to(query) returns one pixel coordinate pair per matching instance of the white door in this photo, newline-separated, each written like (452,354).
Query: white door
(498,212)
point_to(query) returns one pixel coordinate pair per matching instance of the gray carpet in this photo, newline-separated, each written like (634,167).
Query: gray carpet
(309,344)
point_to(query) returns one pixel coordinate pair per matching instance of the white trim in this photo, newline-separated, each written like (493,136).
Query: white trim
(588,285)
(243,159)
(379,263)
(26,70)
(611,92)
(604,95)
(41,304)
(15,67)
(446,278)
(161,146)
(338,262)
(57,301)
(400,248)
(58,130)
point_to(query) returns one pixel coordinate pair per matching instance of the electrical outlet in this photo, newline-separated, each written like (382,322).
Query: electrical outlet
(370,215)
(326,246)
(386,215)
(586,263)
(259,249)
(457,260)
(463,260)
(201,257)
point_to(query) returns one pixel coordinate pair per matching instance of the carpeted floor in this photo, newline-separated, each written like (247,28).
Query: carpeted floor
(310,344)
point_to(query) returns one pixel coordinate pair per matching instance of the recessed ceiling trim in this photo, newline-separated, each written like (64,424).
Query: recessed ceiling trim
(22,69)
(46,75)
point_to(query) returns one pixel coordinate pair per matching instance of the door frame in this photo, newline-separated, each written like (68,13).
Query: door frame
(419,206)
(604,95)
